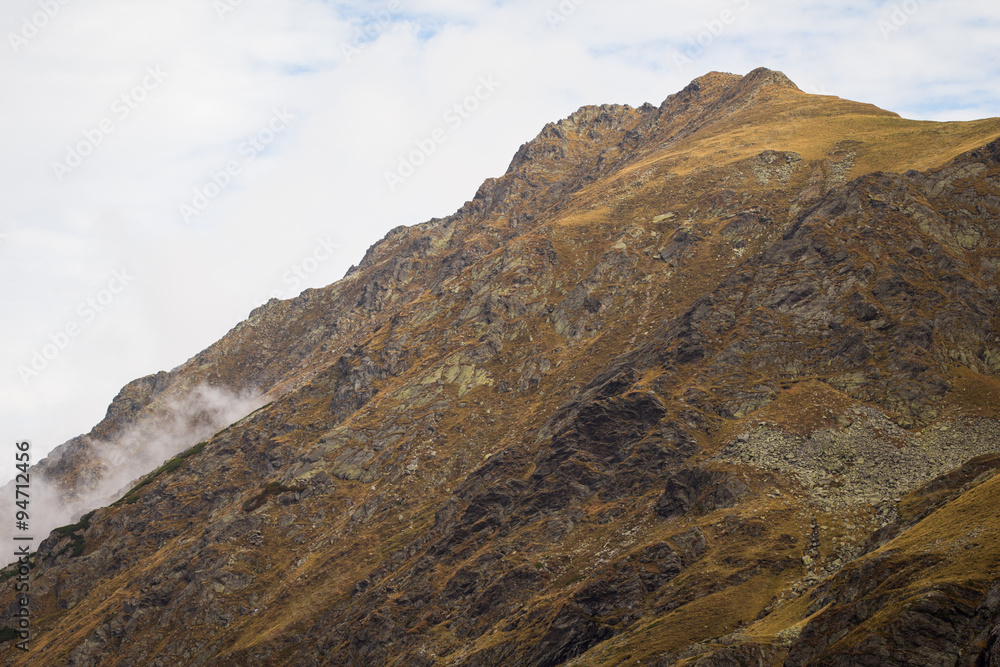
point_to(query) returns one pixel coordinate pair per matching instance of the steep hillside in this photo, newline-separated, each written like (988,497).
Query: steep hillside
(714,382)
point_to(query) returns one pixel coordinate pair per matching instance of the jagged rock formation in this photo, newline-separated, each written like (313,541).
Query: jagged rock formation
(689,384)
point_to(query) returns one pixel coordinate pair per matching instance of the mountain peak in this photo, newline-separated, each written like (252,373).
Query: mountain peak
(763,77)
(688,383)
(755,81)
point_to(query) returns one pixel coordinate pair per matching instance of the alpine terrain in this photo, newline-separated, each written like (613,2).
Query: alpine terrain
(715,382)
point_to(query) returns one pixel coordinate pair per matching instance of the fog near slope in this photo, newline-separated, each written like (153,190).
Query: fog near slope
(118,463)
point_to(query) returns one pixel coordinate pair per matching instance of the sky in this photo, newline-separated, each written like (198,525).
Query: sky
(167,167)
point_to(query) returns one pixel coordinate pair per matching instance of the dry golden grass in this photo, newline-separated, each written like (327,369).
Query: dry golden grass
(803,408)
(707,162)
(974,395)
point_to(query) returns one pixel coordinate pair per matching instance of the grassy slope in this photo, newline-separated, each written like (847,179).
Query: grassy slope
(598,216)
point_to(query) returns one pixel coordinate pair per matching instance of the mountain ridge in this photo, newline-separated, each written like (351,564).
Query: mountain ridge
(577,351)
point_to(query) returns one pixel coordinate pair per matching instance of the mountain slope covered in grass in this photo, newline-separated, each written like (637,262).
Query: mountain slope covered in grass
(714,382)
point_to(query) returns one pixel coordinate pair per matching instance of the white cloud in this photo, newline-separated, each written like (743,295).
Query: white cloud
(355,114)
(120,462)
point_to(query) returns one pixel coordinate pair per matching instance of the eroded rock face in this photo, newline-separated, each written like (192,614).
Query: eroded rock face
(944,625)
(624,406)
(698,490)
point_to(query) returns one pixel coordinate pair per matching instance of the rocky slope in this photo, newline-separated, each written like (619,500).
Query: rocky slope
(714,382)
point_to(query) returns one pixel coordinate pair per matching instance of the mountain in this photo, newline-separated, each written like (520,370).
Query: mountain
(710,383)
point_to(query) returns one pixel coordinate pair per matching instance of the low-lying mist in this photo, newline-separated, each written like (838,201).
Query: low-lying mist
(113,466)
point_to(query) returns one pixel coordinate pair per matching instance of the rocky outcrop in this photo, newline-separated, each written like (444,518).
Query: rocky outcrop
(688,384)
(698,490)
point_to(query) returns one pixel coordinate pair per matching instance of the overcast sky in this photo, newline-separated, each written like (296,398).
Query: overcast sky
(169,166)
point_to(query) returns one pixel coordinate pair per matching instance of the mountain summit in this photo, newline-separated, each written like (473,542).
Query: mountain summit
(712,382)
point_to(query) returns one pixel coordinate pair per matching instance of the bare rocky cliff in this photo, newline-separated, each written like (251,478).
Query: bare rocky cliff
(714,382)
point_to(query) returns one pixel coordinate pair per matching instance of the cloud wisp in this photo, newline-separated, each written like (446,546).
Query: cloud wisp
(110,468)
